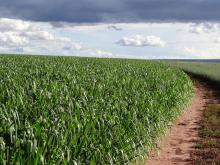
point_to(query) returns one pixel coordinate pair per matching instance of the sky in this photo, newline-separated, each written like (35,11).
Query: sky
(142,29)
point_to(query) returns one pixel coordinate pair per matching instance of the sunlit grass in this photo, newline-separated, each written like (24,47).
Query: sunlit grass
(205,69)
(63,110)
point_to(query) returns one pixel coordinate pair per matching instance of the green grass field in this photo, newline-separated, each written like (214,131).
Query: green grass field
(209,70)
(68,110)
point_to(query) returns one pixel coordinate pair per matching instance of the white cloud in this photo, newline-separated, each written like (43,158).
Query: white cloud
(206,27)
(12,38)
(100,53)
(26,35)
(140,41)
(217,40)
(190,50)
(38,35)
(94,40)
(72,46)
(15,25)
(205,52)
(18,31)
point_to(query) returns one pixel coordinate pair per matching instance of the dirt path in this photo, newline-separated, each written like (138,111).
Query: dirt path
(177,146)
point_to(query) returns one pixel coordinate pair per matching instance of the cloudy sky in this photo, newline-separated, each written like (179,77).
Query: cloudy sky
(115,28)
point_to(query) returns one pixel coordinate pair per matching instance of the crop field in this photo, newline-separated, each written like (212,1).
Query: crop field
(209,70)
(67,110)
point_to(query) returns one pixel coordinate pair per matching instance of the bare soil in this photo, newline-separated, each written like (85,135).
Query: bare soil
(178,147)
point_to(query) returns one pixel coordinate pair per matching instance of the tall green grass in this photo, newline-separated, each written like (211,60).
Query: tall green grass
(209,70)
(63,110)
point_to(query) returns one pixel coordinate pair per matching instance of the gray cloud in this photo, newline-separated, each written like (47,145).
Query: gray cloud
(92,11)
(114,28)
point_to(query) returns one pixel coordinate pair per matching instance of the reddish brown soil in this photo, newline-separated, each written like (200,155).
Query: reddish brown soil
(178,145)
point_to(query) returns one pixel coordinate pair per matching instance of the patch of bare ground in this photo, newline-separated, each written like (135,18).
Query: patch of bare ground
(207,149)
(185,142)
